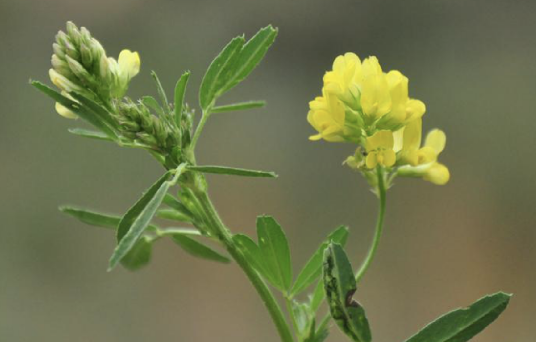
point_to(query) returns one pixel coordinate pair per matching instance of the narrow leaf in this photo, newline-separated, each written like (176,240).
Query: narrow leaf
(96,108)
(161,92)
(89,134)
(275,251)
(215,72)
(133,213)
(139,255)
(138,218)
(238,106)
(317,296)
(463,324)
(84,112)
(313,268)
(250,56)
(223,170)
(198,249)
(180,91)
(340,286)
(91,217)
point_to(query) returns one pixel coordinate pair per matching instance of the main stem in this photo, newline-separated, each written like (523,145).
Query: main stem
(257,282)
(379,226)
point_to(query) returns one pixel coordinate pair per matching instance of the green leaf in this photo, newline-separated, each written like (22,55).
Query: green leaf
(318,296)
(137,218)
(151,102)
(161,92)
(223,170)
(82,111)
(215,74)
(173,215)
(340,286)
(313,268)
(275,251)
(198,249)
(139,255)
(253,254)
(238,106)
(91,217)
(134,212)
(250,56)
(180,90)
(89,134)
(463,324)
(97,109)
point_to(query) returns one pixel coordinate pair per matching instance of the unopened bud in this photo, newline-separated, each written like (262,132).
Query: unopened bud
(86,36)
(58,50)
(61,38)
(60,66)
(62,82)
(73,33)
(87,58)
(72,51)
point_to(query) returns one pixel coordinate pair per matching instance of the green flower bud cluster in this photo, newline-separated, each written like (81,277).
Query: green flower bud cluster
(80,64)
(139,124)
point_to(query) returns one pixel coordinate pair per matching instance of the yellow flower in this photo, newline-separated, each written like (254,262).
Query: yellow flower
(375,95)
(380,149)
(403,110)
(129,64)
(410,151)
(436,173)
(421,162)
(326,115)
(343,81)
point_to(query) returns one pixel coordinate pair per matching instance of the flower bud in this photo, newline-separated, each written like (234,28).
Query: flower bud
(62,82)
(87,58)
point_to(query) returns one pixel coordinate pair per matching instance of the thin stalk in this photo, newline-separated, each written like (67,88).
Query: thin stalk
(262,289)
(204,117)
(379,226)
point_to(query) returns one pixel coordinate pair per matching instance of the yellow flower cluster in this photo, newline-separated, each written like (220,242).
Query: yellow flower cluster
(362,104)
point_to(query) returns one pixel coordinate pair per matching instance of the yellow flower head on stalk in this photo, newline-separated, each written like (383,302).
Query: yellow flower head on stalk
(379,149)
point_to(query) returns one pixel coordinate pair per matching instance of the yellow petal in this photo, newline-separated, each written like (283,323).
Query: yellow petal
(380,139)
(389,158)
(375,97)
(129,63)
(63,111)
(436,139)
(414,109)
(372,160)
(438,174)
(412,135)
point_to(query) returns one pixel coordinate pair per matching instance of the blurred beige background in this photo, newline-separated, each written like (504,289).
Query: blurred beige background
(471,62)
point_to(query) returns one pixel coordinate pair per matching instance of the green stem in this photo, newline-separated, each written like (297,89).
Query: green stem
(204,117)
(255,279)
(379,226)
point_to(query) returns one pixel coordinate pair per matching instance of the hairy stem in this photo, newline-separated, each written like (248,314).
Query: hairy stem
(264,292)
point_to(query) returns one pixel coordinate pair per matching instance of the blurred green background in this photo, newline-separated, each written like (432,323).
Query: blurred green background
(471,62)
